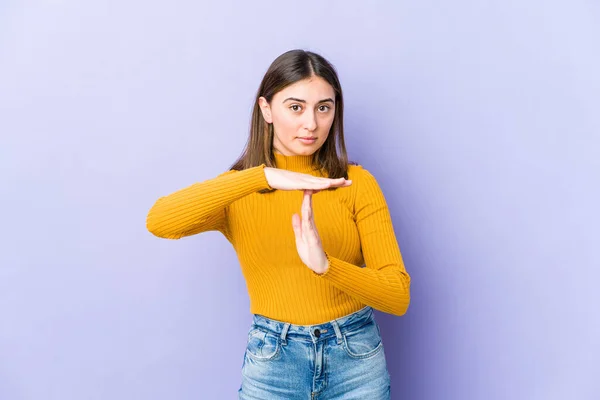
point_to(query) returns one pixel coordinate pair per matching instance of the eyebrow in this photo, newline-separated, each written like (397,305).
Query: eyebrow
(330,100)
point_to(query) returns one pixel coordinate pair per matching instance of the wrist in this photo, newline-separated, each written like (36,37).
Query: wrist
(324,268)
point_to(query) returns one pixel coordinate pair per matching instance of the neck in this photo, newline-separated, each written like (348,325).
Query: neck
(295,163)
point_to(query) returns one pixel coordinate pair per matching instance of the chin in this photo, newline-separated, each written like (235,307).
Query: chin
(306,152)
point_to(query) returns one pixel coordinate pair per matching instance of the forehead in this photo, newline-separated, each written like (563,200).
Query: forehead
(311,89)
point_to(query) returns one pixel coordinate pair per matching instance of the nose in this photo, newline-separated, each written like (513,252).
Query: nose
(310,122)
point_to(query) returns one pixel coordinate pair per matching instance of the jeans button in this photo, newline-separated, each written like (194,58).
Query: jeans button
(317,333)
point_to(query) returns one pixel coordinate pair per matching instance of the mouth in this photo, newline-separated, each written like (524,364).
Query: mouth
(308,139)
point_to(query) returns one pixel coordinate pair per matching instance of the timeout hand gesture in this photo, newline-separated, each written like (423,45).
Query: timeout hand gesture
(308,242)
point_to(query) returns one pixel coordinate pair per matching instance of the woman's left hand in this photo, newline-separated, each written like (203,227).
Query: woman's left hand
(308,242)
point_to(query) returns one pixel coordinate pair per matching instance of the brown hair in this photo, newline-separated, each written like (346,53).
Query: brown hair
(289,68)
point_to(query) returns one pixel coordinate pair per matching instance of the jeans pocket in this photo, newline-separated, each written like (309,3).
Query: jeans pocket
(363,342)
(262,345)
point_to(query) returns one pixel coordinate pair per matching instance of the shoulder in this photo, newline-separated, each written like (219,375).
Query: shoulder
(249,170)
(359,173)
(364,184)
(229,172)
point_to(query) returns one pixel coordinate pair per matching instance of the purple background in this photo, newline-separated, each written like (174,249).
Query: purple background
(480,120)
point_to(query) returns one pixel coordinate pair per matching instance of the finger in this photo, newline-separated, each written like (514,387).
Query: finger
(317,179)
(335,180)
(317,184)
(306,211)
(309,227)
(297,226)
(313,225)
(328,185)
(339,182)
(306,202)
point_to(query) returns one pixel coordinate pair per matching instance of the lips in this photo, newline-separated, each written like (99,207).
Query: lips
(308,140)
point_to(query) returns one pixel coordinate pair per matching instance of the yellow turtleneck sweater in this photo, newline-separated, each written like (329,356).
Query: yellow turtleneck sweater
(365,264)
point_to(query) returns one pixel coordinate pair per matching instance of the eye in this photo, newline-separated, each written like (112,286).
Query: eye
(324,108)
(295,107)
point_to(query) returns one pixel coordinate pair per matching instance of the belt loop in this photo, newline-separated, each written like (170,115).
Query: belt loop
(284,332)
(338,333)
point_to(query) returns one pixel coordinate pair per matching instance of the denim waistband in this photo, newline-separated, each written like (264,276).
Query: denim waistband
(314,333)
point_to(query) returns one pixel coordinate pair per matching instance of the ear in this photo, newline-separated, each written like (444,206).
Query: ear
(265,108)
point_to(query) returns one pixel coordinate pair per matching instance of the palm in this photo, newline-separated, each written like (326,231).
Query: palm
(288,180)
(308,242)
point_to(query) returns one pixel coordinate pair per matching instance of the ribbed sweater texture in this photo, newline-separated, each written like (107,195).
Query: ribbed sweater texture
(354,223)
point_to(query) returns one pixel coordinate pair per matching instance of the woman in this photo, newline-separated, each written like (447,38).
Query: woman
(314,280)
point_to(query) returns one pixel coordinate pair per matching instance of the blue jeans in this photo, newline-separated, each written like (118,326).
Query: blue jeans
(339,359)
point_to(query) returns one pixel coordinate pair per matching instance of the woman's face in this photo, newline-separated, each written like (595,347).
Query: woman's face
(301,115)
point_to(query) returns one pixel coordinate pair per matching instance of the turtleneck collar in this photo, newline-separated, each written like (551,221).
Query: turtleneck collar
(294,163)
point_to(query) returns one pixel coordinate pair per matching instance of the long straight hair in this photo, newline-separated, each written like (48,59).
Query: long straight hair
(287,69)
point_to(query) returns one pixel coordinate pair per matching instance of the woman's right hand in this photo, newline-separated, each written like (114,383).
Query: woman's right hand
(288,180)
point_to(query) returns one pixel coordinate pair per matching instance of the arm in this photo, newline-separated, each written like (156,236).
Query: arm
(201,206)
(383,283)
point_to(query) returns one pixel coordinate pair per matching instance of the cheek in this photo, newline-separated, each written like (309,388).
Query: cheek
(285,124)
(326,122)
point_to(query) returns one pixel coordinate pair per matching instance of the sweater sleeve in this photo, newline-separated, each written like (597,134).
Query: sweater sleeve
(383,283)
(202,206)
